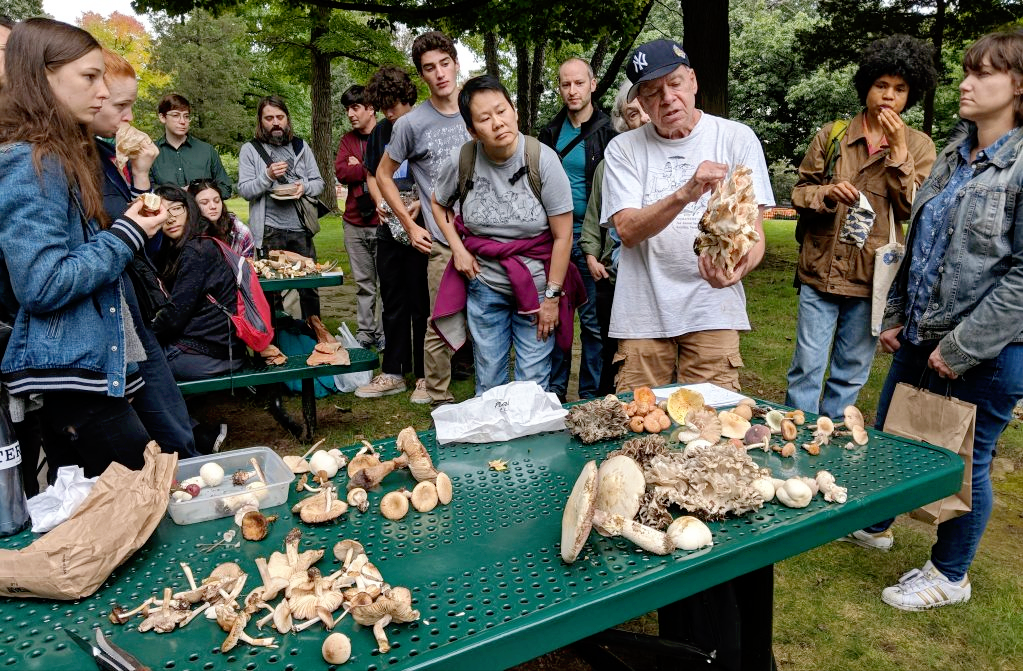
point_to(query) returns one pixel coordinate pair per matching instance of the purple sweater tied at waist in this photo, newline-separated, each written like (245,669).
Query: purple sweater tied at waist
(448,318)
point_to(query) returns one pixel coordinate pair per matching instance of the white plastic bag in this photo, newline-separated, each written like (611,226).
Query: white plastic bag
(510,411)
(349,382)
(58,501)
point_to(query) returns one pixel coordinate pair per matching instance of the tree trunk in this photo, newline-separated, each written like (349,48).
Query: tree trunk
(536,84)
(599,54)
(707,45)
(321,141)
(490,53)
(522,85)
(937,37)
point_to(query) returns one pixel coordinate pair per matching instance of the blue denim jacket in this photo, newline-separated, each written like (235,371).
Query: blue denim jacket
(69,331)
(976,309)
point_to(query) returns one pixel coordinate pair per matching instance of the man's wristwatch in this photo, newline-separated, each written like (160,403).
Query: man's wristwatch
(553,291)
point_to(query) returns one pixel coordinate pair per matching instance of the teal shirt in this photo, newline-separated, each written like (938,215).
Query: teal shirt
(575,165)
(194,159)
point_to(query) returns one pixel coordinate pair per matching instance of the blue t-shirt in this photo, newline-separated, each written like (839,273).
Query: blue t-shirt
(575,166)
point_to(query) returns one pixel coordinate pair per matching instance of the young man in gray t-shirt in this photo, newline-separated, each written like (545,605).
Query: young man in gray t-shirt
(425,137)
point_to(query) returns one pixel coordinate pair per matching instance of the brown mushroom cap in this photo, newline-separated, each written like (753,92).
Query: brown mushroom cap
(323,508)
(255,525)
(577,520)
(343,548)
(336,649)
(825,425)
(297,464)
(424,496)
(757,434)
(394,505)
(444,489)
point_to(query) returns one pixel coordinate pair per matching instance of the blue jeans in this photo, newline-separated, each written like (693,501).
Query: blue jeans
(496,325)
(590,362)
(994,386)
(831,330)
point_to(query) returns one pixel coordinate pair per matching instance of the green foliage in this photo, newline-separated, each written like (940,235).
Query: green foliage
(22,9)
(210,63)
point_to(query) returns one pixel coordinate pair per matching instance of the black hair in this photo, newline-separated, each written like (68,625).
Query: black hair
(221,228)
(168,258)
(390,86)
(899,55)
(432,41)
(355,95)
(272,101)
(478,85)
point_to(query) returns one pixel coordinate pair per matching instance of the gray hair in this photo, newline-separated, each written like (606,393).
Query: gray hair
(618,109)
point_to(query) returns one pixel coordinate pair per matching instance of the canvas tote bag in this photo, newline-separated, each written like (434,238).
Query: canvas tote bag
(942,421)
(887,259)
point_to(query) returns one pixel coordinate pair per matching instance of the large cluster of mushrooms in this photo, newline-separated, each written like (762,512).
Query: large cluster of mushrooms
(728,227)
(307,598)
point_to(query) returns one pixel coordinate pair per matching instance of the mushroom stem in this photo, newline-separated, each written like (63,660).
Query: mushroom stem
(313,448)
(195,613)
(305,625)
(381,636)
(119,616)
(648,538)
(259,642)
(264,575)
(259,471)
(188,574)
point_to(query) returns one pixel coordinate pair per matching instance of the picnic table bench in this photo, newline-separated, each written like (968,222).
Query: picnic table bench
(294,369)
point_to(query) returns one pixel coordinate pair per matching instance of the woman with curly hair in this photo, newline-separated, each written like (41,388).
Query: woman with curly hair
(883,161)
(955,311)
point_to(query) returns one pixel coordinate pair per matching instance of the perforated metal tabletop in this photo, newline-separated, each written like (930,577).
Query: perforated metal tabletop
(485,571)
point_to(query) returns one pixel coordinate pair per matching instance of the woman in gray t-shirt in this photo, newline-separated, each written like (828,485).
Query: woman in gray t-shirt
(520,241)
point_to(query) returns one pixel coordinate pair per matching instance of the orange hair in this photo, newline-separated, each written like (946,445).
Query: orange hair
(116,65)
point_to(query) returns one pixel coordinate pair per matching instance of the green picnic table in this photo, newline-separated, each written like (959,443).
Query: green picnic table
(485,571)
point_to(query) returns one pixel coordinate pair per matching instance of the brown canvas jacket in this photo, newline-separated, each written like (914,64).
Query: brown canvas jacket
(839,268)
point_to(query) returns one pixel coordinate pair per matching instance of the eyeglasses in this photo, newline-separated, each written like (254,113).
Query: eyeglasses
(183,116)
(176,209)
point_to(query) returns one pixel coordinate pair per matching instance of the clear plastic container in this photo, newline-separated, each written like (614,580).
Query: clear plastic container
(225,498)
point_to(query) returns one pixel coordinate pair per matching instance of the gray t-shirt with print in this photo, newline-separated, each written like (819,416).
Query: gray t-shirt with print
(282,214)
(425,138)
(496,208)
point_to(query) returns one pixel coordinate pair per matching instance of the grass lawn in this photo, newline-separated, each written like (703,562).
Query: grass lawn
(828,611)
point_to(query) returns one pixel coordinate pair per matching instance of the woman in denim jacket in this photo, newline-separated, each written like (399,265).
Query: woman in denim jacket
(60,259)
(955,311)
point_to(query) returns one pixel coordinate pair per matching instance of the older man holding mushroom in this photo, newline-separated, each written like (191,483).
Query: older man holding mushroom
(677,314)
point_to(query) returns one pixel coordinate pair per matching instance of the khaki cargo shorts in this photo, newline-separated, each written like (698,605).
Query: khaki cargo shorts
(702,356)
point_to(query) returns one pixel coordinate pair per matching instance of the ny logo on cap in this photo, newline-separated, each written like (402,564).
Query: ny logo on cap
(639,60)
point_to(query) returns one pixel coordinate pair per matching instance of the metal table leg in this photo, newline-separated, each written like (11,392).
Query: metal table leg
(309,408)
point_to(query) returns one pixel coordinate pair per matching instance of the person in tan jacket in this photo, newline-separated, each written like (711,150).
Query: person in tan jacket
(882,160)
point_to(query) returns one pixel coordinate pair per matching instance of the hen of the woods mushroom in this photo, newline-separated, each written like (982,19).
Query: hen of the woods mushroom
(728,228)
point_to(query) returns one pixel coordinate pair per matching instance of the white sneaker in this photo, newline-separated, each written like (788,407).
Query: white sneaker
(882,541)
(922,589)
(384,384)
(420,396)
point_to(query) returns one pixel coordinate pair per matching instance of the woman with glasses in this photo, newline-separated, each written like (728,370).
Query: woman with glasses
(219,222)
(197,335)
(61,257)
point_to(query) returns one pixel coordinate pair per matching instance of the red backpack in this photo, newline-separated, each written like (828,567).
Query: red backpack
(251,317)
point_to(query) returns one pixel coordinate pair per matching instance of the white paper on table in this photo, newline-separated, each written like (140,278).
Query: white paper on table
(713,395)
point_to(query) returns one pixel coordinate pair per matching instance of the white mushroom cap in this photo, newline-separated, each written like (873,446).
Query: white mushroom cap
(322,461)
(444,489)
(620,486)
(296,463)
(794,493)
(577,520)
(394,505)
(732,425)
(424,496)
(212,474)
(773,419)
(853,417)
(825,425)
(337,649)
(765,486)
(689,533)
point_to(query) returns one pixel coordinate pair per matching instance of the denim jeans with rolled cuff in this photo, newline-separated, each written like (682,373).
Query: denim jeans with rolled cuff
(994,386)
(496,326)
(591,357)
(831,330)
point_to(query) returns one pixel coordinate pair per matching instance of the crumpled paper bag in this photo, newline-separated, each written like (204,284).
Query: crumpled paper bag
(509,411)
(116,519)
(60,500)
(859,219)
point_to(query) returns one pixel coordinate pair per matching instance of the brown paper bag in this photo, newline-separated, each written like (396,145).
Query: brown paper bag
(941,421)
(114,521)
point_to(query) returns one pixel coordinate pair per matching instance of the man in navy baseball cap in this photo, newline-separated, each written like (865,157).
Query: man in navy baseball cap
(652,60)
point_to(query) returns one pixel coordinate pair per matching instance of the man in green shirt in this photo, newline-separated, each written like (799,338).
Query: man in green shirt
(184,158)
